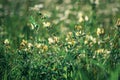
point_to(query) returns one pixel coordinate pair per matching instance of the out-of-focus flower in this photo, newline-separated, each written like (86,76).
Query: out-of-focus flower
(71,41)
(30,45)
(95,1)
(90,39)
(56,39)
(86,42)
(50,40)
(69,34)
(23,43)
(78,33)
(102,52)
(6,42)
(100,31)
(86,18)
(118,23)
(105,51)
(80,17)
(46,24)
(37,7)
(44,48)
(37,45)
(78,27)
(53,40)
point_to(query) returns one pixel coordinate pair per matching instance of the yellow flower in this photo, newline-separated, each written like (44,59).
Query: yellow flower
(50,40)
(44,48)
(78,27)
(30,45)
(100,31)
(86,18)
(71,42)
(23,43)
(37,45)
(46,24)
(78,33)
(53,40)
(118,23)
(56,39)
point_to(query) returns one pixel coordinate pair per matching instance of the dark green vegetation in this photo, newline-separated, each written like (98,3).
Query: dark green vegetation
(59,40)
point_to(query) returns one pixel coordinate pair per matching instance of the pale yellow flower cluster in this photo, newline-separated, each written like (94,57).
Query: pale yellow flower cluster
(81,17)
(71,41)
(118,23)
(103,52)
(52,40)
(78,27)
(69,38)
(41,47)
(46,24)
(95,1)
(100,31)
(44,48)
(6,42)
(90,40)
(23,43)
(78,33)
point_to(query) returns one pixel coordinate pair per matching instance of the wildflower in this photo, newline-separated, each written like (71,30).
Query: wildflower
(69,34)
(46,24)
(23,43)
(80,16)
(118,23)
(78,27)
(38,45)
(86,18)
(100,31)
(6,42)
(53,40)
(95,1)
(71,42)
(30,45)
(86,42)
(78,33)
(81,19)
(44,48)
(50,40)
(102,51)
(56,39)
(90,39)
(37,7)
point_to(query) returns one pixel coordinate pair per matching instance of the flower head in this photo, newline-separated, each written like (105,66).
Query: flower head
(6,42)
(46,24)
(100,31)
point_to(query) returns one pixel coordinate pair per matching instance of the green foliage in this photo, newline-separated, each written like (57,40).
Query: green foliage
(59,40)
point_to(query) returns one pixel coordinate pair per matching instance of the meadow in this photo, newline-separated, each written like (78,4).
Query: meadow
(59,40)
